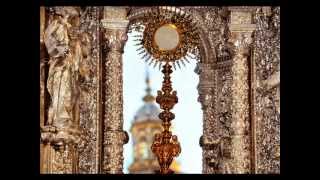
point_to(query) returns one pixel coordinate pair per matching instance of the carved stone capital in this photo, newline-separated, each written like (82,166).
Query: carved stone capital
(241,19)
(267,10)
(115,39)
(116,26)
(241,37)
(115,35)
(242,42)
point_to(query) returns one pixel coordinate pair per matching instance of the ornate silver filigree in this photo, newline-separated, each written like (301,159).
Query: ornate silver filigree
(223,87)
(267,107)
(89,107)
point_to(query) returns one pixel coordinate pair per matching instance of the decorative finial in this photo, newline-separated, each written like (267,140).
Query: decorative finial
(148,97)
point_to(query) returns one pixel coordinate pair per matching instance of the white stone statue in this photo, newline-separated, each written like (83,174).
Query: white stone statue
(64,50)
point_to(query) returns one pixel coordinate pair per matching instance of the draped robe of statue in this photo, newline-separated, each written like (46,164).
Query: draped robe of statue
(62,83)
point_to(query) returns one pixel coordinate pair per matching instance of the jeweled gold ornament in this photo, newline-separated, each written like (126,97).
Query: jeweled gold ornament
(168,36)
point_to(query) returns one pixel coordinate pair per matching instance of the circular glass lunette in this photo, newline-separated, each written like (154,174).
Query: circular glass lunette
(167,37)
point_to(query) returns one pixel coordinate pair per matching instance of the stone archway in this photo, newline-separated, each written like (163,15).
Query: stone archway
(205,66)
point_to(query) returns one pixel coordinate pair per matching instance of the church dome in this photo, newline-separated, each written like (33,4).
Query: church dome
(149,111)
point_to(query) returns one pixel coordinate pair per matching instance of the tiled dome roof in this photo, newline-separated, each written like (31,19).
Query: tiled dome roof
(149,111)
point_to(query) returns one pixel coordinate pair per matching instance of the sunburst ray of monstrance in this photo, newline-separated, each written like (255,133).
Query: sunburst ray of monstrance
(169,38)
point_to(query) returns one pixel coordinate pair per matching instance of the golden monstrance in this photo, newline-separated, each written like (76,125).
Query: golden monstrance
(169,38)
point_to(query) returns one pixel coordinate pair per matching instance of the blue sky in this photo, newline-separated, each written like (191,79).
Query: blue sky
(188,122)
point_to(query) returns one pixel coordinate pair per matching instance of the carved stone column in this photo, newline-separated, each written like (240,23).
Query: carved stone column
(115,24)
(241,28)
(208,140)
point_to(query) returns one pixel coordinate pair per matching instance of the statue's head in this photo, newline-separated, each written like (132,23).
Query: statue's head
(71,14)
(67,11)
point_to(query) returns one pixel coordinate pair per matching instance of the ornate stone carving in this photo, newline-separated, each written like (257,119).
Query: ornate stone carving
(89,149)
(224,50)
(217,144)
(63,161)
(216,19)
(65,57)
(224,117)
(114,136)
(137,21)
(66,66)
(214,22)
(115,13)
(241,31)
(267,85)
(222,147)
(114,140)
(206,98)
